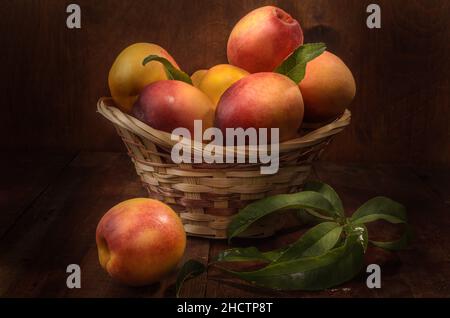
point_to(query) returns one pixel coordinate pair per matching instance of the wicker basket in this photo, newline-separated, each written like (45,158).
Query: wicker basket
(206,196)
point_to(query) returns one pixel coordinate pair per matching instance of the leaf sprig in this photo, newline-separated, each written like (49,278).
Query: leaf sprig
(294,66)
(172,72)
(327,255)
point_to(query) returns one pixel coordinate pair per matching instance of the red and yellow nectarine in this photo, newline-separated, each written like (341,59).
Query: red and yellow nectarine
(327,89)
(140,241)
(167,105)
(262,100)
(263,39)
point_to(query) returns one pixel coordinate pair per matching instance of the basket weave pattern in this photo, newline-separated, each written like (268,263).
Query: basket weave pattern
(206,196)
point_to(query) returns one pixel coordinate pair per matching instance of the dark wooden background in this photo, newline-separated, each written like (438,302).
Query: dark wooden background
(52,76)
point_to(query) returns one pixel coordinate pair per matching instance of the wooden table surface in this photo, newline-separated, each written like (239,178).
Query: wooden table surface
(50,205)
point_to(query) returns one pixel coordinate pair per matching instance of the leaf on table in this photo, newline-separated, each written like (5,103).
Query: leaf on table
(190,269)
(248,254)
(316,241)
(172,72)
(294,66)
(328,192)
(380,208)
(396,245)
(256,210)
(333,268)
(361,230)
(306,218)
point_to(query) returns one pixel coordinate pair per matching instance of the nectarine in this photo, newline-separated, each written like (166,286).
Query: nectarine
(167,105)
(218,78)
(262,100)
(197,76)
(139,241)
(263,39)
(128,76)
(327,89)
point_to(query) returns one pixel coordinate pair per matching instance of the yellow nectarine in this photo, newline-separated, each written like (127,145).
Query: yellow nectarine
(218,79)
(128,76)
(197,77)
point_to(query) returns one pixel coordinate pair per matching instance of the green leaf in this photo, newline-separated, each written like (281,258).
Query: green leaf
(172,72)
(294,66)
(311,273)
(317,241)
(361,230)
(247,254)
(399,244)
(307,218)
(318,216)
(256,210)
(380,208)
(190,269)
(328,192)
(275,254)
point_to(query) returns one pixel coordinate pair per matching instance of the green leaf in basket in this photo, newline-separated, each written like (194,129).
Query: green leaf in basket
(311,273)
(380,208)
(399,244)
(190,269)
(294,66)
(316,241)
(255,211)
(328,192)
(172,72)
(248,254)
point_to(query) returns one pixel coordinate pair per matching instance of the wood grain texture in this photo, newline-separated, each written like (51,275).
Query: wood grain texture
(53,76)
(25,176)
(438,180)
(58,228)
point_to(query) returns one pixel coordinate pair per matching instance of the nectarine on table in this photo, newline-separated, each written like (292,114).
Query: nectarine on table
(328,88)
(263,39)
(139,241)
(128,76)
(262,100)
(218,79)
(167,105)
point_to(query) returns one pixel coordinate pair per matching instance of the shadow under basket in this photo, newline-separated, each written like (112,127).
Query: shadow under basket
(206,196)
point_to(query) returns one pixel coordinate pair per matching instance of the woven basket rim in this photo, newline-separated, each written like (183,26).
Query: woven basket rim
(105,106)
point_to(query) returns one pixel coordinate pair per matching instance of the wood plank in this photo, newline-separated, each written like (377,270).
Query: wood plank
(437,179)
(59,229)
(421,271)
(23,177)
